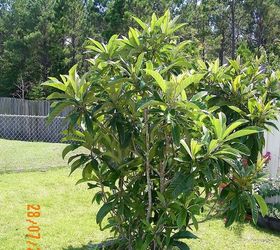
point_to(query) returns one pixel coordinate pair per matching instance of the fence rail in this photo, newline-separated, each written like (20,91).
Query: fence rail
(13,106)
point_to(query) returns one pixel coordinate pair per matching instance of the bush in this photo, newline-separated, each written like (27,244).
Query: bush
(271,189)
(163,130)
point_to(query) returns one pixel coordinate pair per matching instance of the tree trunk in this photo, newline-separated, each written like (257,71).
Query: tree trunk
(222,48)
(147,165)
(232,8)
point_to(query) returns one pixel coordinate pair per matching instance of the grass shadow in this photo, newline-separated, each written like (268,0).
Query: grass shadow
(94,246)
(75,248)
(264,230)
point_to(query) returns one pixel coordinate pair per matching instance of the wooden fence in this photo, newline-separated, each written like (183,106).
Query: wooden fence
(13,106)
(27,121)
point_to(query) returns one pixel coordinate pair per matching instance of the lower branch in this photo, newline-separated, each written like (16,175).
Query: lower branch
(147,166)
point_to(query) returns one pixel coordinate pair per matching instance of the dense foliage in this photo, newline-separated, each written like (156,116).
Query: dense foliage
(270,189)
(46,37)
(164,130)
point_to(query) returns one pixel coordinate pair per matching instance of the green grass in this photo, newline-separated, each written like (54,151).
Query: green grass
(213,235)
(68,217)
(29,156)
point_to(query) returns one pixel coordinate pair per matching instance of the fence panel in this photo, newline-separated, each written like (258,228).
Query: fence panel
(13,106)
(273,146)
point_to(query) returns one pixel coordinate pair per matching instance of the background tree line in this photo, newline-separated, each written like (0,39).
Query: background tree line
(39,38)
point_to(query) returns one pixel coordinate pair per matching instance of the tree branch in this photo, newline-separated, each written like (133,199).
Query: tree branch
(147,165)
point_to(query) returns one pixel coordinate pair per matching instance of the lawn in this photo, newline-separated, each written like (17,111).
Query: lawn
(28,156)
(68,217)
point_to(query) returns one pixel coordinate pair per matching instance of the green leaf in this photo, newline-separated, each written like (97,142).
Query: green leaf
(87,171)
(78,163)
(139,63)
(99,47)
(176,134)
(103,211)
(181,245)
(134,35)
(184,235)
(236,83)
(153,21)
(143,25)
(161,197)
(57,95)
(254,208)
(262,204)
(199,95)
(178,26)
(242,148)
(92,186)
(215,66)
(188,80)
(160,81)
(180,184)
(149,65)
(195,147)
(236,109)
(186,147)
(230,217)
(55,85)
(201,64)
(212,145)
(69,148)
(271,124)
(194,220)
(94,48)
(244,132)
(89,123)
(219,125)
(181,219)
(57,109)
(225,192)
(73,76)
(233,126)
(81,181)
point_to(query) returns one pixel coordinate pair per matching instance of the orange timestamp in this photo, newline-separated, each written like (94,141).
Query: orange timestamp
(33,213)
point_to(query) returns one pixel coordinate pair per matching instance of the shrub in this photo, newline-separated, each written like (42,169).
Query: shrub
(163,130)
(270,189)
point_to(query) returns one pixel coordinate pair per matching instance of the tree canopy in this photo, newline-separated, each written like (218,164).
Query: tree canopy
(40,38)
